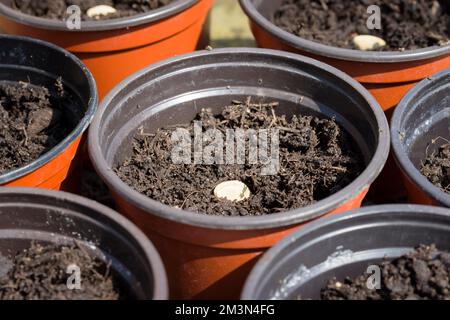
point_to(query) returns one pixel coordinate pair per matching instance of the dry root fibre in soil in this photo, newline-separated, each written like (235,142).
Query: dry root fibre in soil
(33,120)
(423,274)
(317,158)
(405,24)
(57,9)
(41,273)
(436,166)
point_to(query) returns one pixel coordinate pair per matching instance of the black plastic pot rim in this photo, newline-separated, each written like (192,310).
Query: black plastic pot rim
(103,25)
(397,146)
(75,134)
(242,223)
(161,288)
(340,53)
(273,254)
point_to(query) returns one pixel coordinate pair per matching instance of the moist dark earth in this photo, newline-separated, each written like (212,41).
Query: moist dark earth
(40,273)
(436,167)
(33,119)
(57,9)
(423,274)
(317,159)
(406,24)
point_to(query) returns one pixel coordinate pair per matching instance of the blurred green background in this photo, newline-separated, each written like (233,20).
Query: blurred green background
(228,25)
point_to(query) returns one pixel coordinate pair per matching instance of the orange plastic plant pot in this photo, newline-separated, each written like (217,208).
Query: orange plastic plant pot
(387,82)
(115,49)
(52,174)
(28,63)
(205,263)
(388,187)
(421,117)
(344,246)
(387,75)
(209,256)
(31,215)
(415,195)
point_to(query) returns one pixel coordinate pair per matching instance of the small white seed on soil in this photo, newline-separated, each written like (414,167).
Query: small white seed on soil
(232,190)
(101,10)
(338,285)
(368,42)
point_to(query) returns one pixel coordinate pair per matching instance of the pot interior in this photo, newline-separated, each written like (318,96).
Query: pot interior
(175,93)
(346,249)
(25,219)
(29,61)
(267,8)
(426,118)
(73,112)
(26,60)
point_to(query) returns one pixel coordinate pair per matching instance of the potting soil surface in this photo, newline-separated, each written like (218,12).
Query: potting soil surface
(41,273)
(436,167)
(405,24)
(420,275)
(317,158)
(33,119)
(57,9)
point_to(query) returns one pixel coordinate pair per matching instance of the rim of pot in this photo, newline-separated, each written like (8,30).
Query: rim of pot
(79,129)
(336,52)
(161,288)
(242,223)
(274,253)
(397,145)
(102,25)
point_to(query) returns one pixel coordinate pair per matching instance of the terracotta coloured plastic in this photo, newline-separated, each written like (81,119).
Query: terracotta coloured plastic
(208,263)
(387,75)
(422,116)
(344,246)
(209,257)
(114,49)
(49,217)
(25,59)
